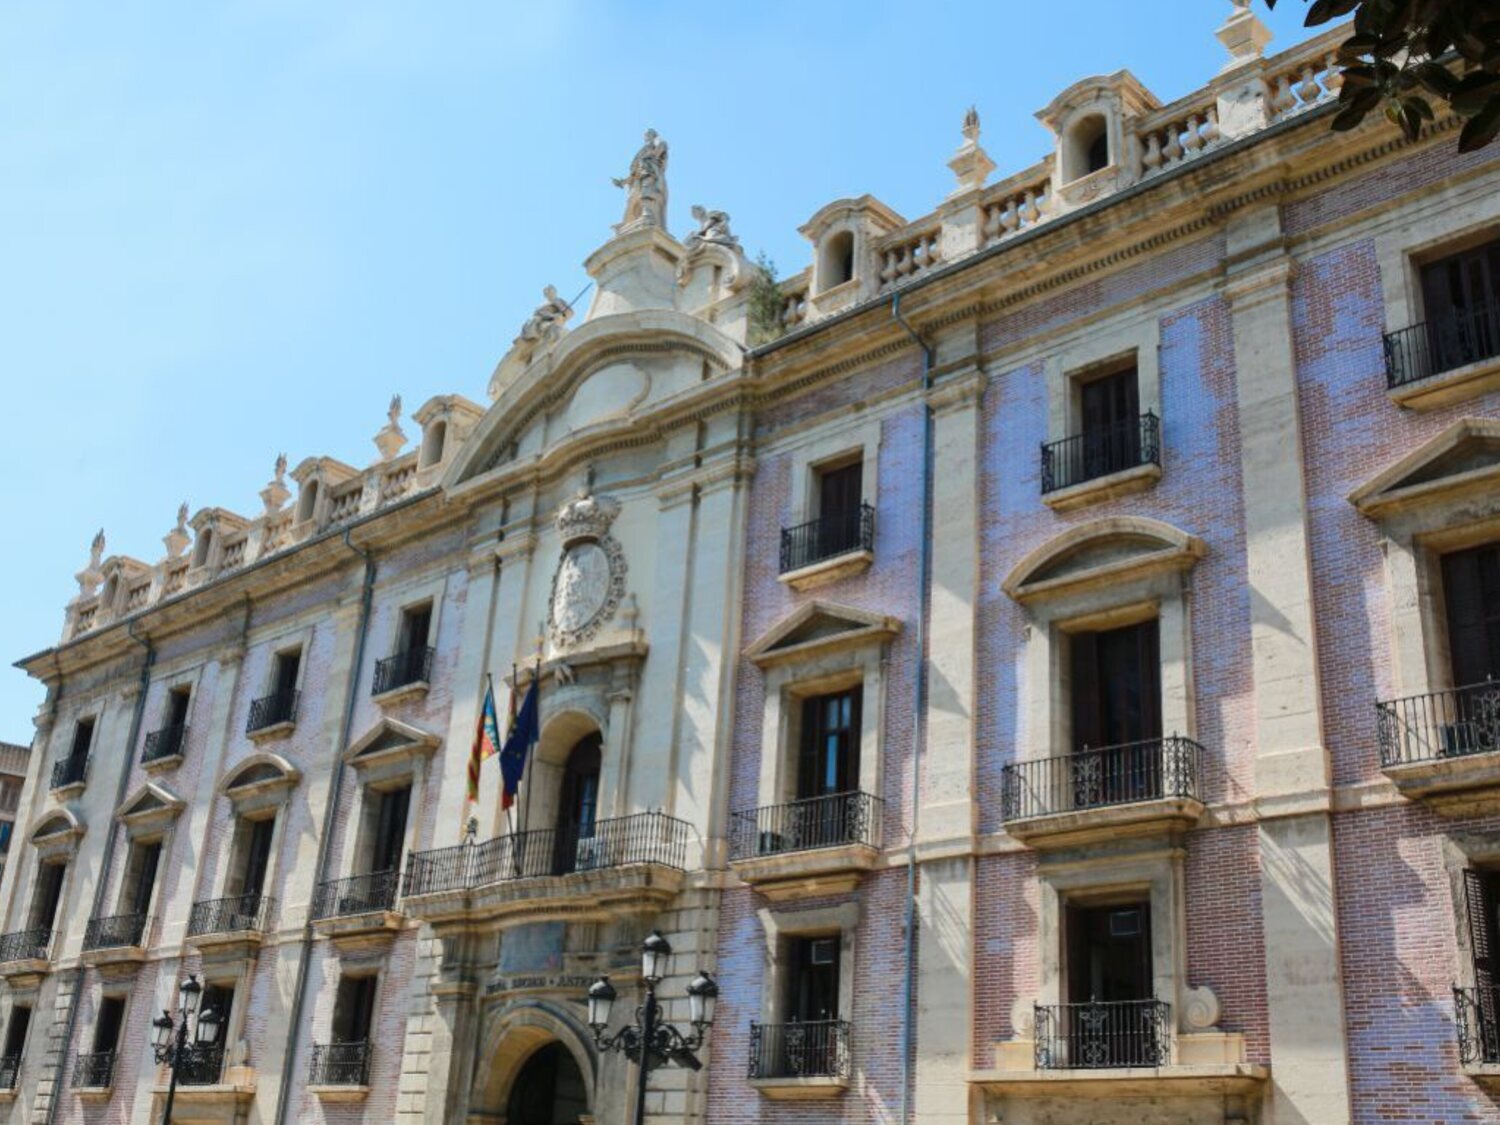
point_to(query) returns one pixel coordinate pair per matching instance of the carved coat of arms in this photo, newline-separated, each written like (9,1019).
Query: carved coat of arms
(590,577)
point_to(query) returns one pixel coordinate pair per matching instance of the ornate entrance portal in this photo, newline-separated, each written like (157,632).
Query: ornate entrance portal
(549,1090)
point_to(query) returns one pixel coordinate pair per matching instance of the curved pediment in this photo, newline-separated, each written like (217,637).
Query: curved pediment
(57,826)
(259,774)
(1107,550)
(817,628)
(598,378)
(1462,461)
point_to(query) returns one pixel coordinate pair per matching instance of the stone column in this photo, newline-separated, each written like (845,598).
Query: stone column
(1309,1058)
(945,821)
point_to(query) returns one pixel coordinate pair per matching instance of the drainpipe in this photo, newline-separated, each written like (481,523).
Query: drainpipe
(325,842)
(107,858)
(919,703)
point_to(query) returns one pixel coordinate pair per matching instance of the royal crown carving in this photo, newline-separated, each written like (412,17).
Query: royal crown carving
(586,517)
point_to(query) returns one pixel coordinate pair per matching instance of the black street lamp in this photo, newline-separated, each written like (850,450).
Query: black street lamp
(649,1042)
(169,1040)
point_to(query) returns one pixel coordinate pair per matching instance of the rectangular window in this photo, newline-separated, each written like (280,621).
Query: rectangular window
(1461,299)
(1482,915)
(1109,953)
(1471,588)
(1109,410)
(288,664)
(1116,686)
(108,1022)
(15,1031)
(416,621)
(354,1009)
(829,756)
(83,737)
(47,896)
(257,855)
(839,497)
(812,981)
(390,829)
(140,877)
(177,707)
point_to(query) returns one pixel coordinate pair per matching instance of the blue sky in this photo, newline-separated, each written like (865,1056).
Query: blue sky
(234,229)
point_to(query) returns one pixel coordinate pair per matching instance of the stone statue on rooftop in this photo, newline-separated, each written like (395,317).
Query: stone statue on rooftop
(645,186)
(96,550)
(394,413)
(182,515)
(550,315)
(713,227)
(281,468)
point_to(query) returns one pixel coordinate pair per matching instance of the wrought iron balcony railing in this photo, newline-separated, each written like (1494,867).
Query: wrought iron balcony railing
(10,1071)
(410,667)
(340,1064)
(652,837)
(1098,453)
(115,932)
(241,913)
(1111,775)
(25,945)
(815,1049)
(200,1064)
(94,1071)
(359,894)
(827,537)
(1446,342)
(1440,724)
(272,710)
(1099,1035)
(71,770)
(1476,1013)
(814,822)
(164,743)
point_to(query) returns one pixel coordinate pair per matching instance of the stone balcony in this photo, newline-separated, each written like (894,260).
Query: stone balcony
(631,864)
(1139,788)
(359,911)
(116,945)
(229,928)
(25,957)
(1443,748)
(804,1061)
(802,849)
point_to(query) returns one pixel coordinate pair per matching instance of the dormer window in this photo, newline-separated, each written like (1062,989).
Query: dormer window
(837,265)
(307,501)
(111,589)
(1087,150)
(432,444)
(202,547)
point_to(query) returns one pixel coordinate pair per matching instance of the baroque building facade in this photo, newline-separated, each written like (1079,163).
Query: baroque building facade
(1050,681)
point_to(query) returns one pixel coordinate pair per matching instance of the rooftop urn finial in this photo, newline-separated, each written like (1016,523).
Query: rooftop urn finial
(1244,36)
(90,576)
(276,493)
(391,437)
(645,186)
(178,538)
(971,164)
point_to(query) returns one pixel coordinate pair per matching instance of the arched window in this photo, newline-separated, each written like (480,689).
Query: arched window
(837,265)
(307,502)
(432,444)
(202,546)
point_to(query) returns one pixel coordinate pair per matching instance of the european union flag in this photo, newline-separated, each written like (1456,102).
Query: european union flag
(523,735)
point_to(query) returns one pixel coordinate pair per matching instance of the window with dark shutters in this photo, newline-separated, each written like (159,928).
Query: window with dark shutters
(1471,587)
(1461,298)
(1480,912)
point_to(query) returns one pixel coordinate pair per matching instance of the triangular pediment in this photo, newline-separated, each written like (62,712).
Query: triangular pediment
(150,804)
(1114,549)
(819,627)
(389,739)
(1464,458)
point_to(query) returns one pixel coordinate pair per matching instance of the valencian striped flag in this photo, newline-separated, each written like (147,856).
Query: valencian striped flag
(525,729)
(486,740)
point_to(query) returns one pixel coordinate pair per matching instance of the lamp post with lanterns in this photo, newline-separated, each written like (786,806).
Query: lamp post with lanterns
(649,1042)
(169,1037)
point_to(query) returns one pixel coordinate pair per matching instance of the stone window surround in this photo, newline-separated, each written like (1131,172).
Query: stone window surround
(1414,536)
(1428,230)
(777,925)
(189,678)
(1462,850)
(300,639)
(391,771)
(158,835)
(1046,722)
(412,595)
(857,437)
(786,685)
(1106,347)
(258,801)
(238,974)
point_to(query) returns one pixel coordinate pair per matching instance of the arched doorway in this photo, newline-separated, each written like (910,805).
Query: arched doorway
(549,1090)
(577,805)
